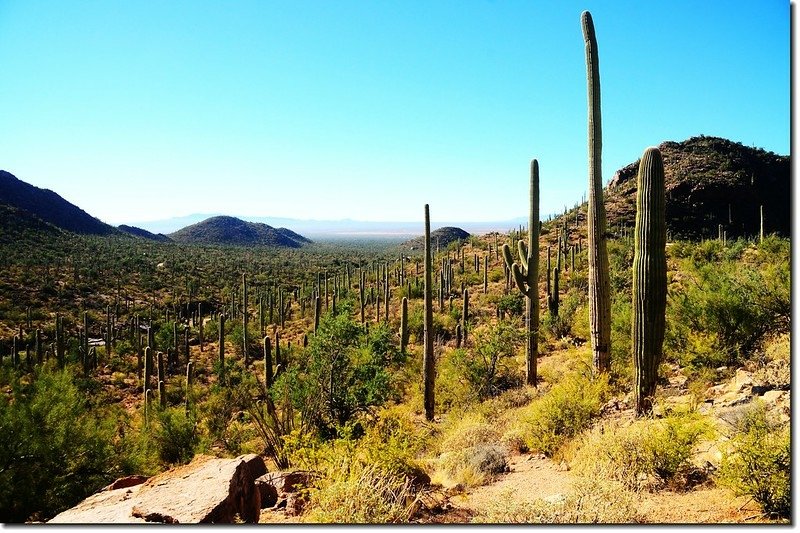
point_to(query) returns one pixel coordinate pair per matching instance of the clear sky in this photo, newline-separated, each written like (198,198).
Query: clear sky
(143,110)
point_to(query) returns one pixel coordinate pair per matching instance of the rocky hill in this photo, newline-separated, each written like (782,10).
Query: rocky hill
(711,181)
(143,233)
(18,225)
(234,231)
(443,236)
(49,207)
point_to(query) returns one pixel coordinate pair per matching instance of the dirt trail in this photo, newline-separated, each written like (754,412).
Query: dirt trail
(533,477)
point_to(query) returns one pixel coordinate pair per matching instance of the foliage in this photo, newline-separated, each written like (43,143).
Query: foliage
(736,304)
(487,367)
(471,452)
(361,494)
(564,411)
(54,451)
(635,454)
(175,435)
(339,375)
(759,462)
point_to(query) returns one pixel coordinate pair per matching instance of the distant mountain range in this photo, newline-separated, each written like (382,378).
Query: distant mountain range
(333,229)
(49,207)
(710,182)
(440,237)
(230,230)
(28,211)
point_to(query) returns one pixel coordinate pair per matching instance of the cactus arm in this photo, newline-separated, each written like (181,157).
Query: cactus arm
(522,248)
(519,279)
(509,260)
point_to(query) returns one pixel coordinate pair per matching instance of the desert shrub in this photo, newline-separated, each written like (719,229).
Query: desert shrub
(475,465)
(647,450)
(590,501)
(340,375)
(620,262)
(164,336)
(54,450)
(487,367)
(361,494)
(175,435)
(443,324)
(470,452)
(393,442)
(564,411)
(774,367)
(621,344)
(559,326)
(511,304)
(235,338)
(737,304)
(758,463)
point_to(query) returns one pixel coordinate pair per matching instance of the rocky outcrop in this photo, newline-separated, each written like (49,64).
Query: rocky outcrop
(207,490)
(282,491)
(711,182)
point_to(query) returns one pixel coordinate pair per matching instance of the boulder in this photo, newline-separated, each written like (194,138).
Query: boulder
(207,490)
(281,490)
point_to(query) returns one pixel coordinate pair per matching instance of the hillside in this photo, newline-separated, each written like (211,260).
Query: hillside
(443,236)
(231,230)
(144,234)
(19,225)
(712,181)
(49,206)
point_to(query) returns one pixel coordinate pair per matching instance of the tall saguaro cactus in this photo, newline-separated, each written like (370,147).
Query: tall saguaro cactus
(222,347)
(649,278)
(403,325)
(526,275)
(599,286)
(428,369)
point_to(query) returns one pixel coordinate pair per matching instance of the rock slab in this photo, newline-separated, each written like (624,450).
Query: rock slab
(207,490)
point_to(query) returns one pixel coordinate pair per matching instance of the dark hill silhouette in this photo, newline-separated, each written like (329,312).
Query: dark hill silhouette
(143,233)
(49,207)
(443,236)
(231,230)
(711,181)
(17,225)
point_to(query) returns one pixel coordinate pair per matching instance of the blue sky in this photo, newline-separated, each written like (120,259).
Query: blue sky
(368,110)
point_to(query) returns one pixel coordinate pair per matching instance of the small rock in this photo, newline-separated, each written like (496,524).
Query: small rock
(774,397)
(127,481)
(555,499)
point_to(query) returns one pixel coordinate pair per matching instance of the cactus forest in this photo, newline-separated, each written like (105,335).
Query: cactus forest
(599,365)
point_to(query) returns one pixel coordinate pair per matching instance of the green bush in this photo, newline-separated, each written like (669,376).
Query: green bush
(564,411)
(340,374)
(759,462)
(54,450)
(636,454)
(487,367)
(175,435)
(736,303)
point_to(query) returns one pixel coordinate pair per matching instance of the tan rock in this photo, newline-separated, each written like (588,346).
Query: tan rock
(106,507)
(207,490)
